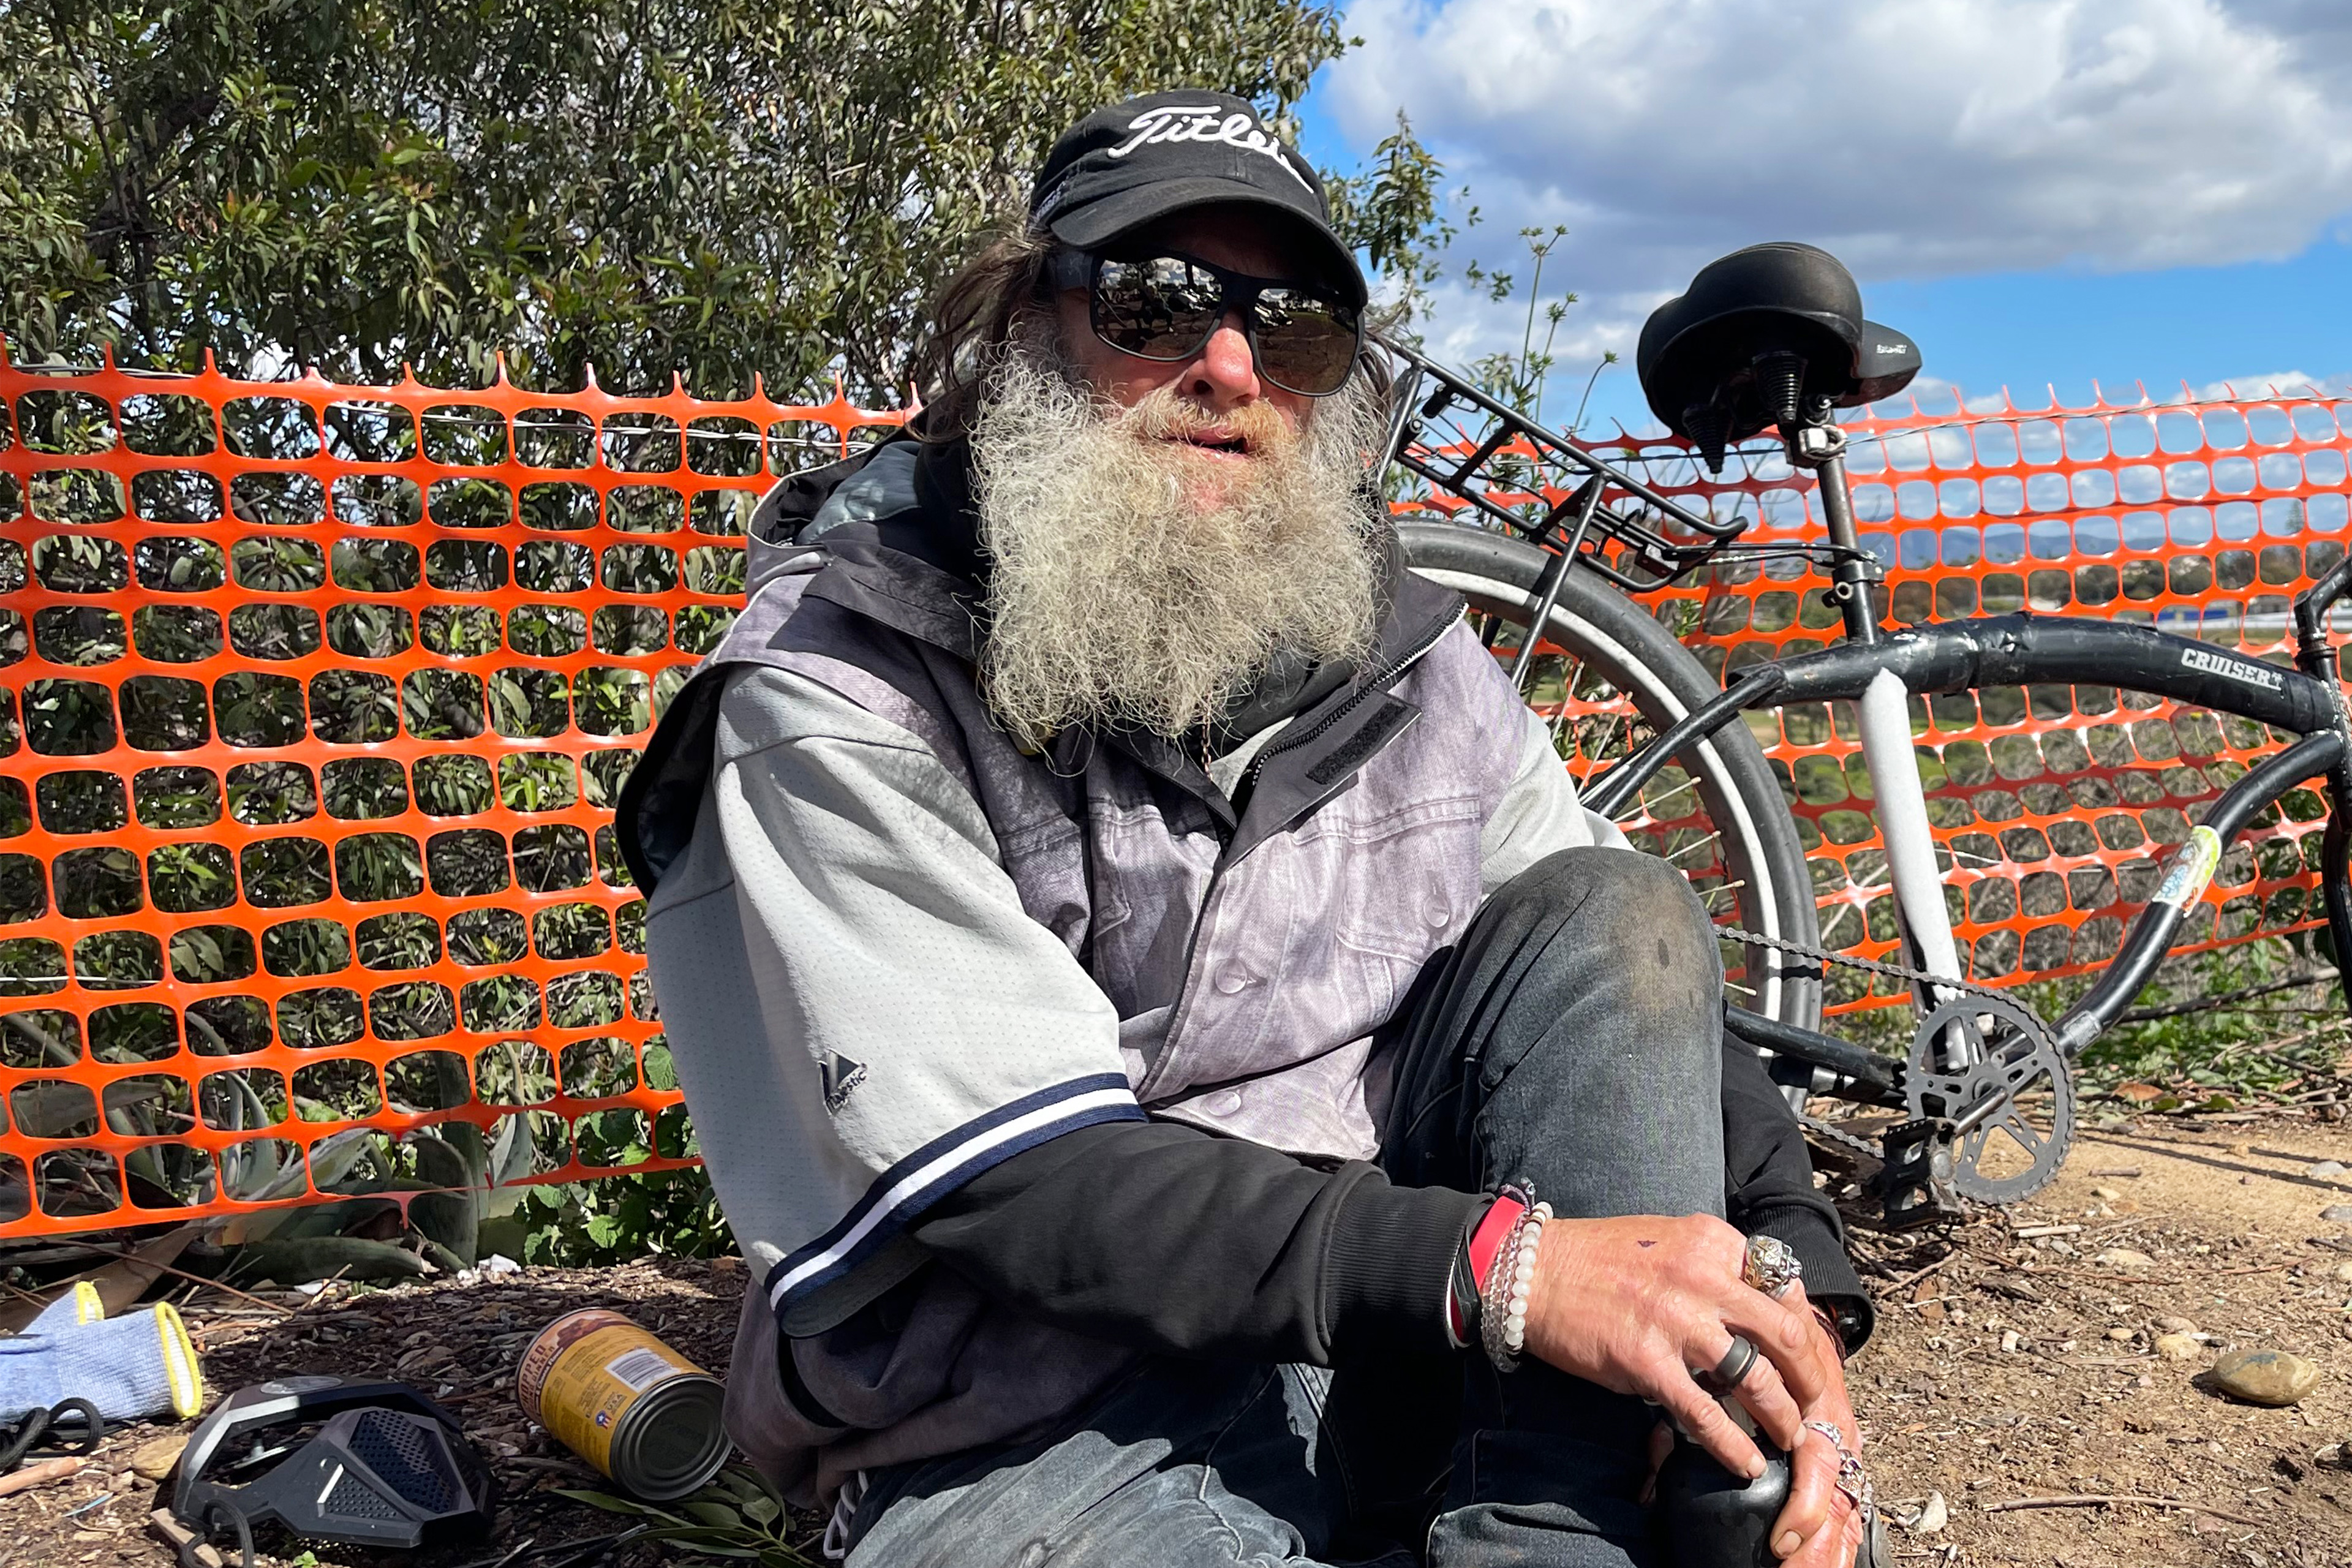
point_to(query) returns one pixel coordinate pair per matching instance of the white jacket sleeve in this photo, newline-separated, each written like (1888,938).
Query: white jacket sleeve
(862,1014)
(1539,814)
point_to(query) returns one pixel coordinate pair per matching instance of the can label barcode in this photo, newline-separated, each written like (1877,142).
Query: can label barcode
(640,1368)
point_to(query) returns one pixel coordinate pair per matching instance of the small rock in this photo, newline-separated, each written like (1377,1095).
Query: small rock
(2175,1326)
(2177,1347)
(2327,1168)
(2337,1213)
(2265,1377)
(153,1459)
(2123,1336)
(2010,1339)
(2124,1257)
(2107,1194)
(1933,1517)
(2342,1273)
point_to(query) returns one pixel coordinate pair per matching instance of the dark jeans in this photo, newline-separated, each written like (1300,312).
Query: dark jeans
(1571,1041)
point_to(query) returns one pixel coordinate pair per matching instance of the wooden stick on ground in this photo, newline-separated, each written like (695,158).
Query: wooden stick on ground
(2102,1500)
(183,1274)
(40,1473)
(1918,1274)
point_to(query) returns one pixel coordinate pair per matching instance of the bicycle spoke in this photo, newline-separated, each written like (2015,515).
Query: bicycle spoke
(1711,839)
(1651,804)
(1567,697)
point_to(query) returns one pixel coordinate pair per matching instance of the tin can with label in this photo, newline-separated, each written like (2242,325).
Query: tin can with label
(624,1401)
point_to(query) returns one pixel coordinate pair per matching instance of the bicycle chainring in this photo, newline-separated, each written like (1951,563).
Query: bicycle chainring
(2012,1103)
(2016,1149)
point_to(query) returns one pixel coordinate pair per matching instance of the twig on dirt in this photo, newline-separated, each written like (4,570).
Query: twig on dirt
(2116,1170)
(183,1274)
(41,1473)
(1918,1274)
(2106,1500)
(22,1294)
(2028,1233)
(2293,982)
(326,1288)
(2112,1278)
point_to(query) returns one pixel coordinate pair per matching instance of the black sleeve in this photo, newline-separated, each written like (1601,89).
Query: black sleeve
(1168,1238)
(1768,1189)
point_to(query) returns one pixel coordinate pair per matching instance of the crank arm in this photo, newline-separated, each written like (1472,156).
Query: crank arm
(1872,1079)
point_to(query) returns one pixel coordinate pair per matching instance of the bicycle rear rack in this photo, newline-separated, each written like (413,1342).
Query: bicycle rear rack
(1536,483)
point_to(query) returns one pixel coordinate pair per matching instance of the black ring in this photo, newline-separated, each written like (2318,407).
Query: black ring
(1733,1369)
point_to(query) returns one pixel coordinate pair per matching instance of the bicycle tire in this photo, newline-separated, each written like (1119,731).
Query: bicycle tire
(1609,634)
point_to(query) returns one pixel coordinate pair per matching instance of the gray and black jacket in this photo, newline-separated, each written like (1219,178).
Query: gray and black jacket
(1008,1067)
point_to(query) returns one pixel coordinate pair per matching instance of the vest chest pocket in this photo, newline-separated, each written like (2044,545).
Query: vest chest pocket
(1401,890)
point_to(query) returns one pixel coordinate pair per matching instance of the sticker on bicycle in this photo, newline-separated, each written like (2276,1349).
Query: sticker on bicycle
(2192,868)
(2245,672)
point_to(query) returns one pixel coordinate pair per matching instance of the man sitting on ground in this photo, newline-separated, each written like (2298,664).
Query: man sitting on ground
(1136,965)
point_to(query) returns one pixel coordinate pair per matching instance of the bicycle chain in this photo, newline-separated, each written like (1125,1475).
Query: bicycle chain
(1875,966)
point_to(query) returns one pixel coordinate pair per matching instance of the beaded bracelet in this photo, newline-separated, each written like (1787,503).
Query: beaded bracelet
(1503,1306)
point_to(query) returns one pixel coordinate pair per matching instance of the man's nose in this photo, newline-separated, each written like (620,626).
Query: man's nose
(1224,374)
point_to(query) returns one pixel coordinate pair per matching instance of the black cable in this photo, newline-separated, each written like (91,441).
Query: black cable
(34,1430)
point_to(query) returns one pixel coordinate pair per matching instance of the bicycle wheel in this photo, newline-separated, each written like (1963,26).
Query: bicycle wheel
(1609,678)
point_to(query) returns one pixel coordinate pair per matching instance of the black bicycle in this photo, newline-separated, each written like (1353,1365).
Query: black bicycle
(1554,547)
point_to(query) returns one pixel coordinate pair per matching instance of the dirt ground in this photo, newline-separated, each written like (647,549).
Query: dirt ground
(2007,1367)
(2014,1368)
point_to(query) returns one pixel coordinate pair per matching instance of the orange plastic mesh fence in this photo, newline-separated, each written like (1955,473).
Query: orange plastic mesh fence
(317,699)
(2055,806)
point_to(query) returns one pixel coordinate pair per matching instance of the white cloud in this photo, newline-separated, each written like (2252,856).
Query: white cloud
(2281,383)
(1913,138)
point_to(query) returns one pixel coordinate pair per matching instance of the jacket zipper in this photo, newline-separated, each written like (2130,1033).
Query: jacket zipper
(1379,682)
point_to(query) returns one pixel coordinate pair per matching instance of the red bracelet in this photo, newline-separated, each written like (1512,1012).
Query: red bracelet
(1494,1227)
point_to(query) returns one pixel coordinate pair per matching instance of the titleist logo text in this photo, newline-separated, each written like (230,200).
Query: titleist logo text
(1179,123)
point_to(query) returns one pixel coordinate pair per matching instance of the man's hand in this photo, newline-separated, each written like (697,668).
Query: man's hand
(1819,1527)
(1635,1304)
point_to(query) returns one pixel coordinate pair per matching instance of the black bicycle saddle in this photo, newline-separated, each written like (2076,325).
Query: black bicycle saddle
(1757,336)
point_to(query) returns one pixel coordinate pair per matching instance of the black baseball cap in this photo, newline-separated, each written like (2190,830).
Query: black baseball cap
(1127,165)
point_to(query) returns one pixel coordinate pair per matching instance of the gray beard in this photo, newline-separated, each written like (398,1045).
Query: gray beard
(1137,582)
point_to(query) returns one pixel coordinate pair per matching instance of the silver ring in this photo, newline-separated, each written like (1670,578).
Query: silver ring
(1733,1369)
(1852,1478)
(1771,1265)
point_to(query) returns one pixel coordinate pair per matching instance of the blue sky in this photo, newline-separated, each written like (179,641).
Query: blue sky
(2039,191)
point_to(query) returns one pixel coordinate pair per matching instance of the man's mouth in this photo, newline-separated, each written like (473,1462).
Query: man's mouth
(1218,442)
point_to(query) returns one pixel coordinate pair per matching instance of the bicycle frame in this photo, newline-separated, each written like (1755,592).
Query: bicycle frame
(1541,487)
(1880,672)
